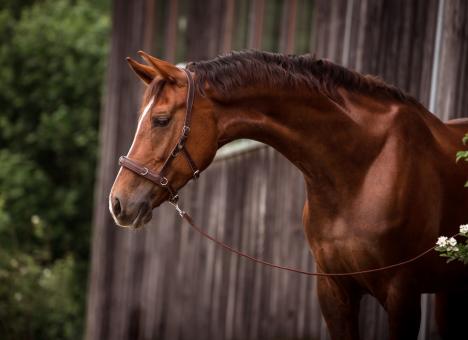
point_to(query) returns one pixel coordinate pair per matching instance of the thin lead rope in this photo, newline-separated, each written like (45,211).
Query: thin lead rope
(184,215)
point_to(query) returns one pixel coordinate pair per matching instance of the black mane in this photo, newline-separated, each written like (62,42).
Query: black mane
(240,69)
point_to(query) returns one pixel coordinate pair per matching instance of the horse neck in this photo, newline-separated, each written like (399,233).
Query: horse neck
(315,133)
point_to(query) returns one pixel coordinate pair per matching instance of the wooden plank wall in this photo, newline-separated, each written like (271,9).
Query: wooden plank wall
(164,281)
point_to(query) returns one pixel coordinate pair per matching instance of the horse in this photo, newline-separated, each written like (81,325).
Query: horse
(380,173)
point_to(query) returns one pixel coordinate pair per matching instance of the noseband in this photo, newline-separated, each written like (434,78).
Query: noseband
(160,178)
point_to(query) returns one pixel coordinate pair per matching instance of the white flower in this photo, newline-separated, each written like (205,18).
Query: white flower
(464,229)
(452,242)
(35,219)
(18,296)
(442,241)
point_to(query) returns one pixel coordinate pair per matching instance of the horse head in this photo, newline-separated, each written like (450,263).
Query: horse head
(175,138)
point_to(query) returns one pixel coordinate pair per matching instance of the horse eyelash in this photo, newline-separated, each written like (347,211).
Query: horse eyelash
(160,121)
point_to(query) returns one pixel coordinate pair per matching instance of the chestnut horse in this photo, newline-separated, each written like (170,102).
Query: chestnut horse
(379,168)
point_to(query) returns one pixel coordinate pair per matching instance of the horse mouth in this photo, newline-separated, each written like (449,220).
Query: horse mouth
(145,214)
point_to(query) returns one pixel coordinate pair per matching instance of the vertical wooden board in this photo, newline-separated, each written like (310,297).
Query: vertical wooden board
(233,228)
(171,31)
(450,87)
(288,27)
(153,267)
(303,29)
(288,255)
(259,238)
(228,26)
(166,238)
(320,30)
(256,17)
(249,247)
(358,36)
(210,254)
(172,280)
(240,284)
(205,29)
(422,50)
(218,286)
(135,310)
(113,115)
(337,30)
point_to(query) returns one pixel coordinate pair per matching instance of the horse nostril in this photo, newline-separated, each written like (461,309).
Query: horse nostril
(117,207)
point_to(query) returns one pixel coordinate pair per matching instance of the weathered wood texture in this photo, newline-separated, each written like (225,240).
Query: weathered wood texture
(165,282)
(110,263)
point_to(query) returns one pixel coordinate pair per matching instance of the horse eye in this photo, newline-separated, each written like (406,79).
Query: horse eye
(160,121)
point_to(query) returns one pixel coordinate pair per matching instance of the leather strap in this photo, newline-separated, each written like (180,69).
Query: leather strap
(190,221)
(146,173)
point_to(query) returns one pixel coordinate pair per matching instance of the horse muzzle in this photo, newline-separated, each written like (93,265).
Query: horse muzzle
(130,213)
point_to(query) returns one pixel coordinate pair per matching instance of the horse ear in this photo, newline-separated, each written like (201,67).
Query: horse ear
(165,69)
(144,72)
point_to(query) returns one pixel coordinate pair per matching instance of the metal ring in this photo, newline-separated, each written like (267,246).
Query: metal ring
(196,174)
(163,181)
(173,200)
(144,172)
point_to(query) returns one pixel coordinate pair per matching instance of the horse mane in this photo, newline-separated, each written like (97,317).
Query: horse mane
(240,69)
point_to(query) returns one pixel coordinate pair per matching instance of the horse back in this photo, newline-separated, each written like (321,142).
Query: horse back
(458,124)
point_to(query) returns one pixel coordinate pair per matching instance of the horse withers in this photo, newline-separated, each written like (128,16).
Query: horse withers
(379,169)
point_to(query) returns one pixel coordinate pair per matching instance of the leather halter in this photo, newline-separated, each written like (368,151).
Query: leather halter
(159,178)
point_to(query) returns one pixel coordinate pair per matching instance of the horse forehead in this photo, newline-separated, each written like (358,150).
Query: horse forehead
(145,112)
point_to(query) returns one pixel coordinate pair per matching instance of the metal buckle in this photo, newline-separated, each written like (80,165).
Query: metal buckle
(186,130)
(176,206)
(163,181)
(144,172)
(121,160)
(196,174)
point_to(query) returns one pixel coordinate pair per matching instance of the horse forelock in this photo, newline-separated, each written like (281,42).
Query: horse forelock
(152,93)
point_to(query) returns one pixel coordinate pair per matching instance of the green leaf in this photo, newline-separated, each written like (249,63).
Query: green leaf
(461,155)
(465,139)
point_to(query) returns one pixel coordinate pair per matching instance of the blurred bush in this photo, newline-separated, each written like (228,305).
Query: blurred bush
(52,59)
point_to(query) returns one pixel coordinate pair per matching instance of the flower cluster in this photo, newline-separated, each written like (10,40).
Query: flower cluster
(453,250)
(449,244)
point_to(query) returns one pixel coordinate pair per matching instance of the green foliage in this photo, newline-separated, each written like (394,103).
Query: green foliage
(52,60)
(463,155)
(450,247)
(38,297)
